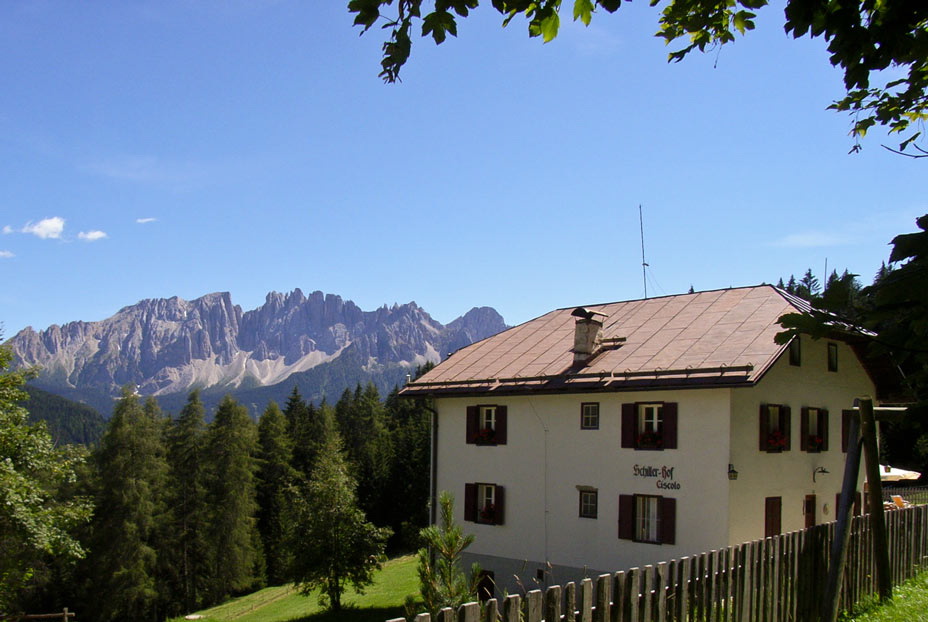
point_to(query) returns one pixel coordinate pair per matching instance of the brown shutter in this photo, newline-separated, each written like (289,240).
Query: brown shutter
(845,428)
(501,416)
(472,422)
(629,426)
(764,426)
(857,498)
(786,426)
(499,499)
(627,517)
(823,428)
(470,502)
(804,430)
(670,425)
(772,513)
(668,515)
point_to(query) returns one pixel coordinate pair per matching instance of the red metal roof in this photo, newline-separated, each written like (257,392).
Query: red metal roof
(716,337)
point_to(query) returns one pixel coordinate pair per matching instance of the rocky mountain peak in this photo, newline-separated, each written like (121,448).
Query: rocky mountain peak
(168,345)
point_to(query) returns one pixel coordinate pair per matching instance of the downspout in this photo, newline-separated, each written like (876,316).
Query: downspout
(433,465)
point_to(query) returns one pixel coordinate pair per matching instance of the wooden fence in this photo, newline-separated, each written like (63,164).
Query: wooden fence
(916,495)
(779,579)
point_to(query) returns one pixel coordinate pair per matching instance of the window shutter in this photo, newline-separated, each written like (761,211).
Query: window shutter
(627,517)
(823,428)
(472,423)
(772,514)
(804,429)
(668,520)
(670,425)
(764,426)
(629,426)
(470,502)
(501,412)
(786,426)
(500,501)
(845,428)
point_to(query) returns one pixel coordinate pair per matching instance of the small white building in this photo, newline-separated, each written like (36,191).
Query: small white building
(616,435)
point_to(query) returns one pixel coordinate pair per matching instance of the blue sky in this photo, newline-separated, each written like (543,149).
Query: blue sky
(153,149)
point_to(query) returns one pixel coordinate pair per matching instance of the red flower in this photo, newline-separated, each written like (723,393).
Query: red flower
(776,440)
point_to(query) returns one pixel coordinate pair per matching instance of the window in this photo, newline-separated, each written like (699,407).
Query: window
(814,428)
(486,424)
(589,502)
(486,586)
(483,503)
(649,425)
(647,518)
(589,416)
(774,428)
(832,357)
(795,352)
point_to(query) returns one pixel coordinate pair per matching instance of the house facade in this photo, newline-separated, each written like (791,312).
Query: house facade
(612,436)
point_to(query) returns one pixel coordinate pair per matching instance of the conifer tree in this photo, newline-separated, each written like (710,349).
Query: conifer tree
(276,478)
(334,545)
(362,422)
(409,427)
(304,429)
(442,580)
(129,514)
(189,555)
(230,491)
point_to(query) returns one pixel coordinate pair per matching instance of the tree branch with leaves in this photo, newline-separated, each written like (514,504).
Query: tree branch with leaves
(865,38)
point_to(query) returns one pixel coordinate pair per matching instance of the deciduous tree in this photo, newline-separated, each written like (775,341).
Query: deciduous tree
(864,38)
(34,521)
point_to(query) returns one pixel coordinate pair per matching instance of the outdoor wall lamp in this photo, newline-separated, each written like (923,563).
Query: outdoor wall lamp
(821,470)
(732,473)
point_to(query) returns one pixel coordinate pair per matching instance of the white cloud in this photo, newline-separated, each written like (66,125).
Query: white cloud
(7,229)
(48,228)
(812,239)
(92,236)
(145,221)
(6,254)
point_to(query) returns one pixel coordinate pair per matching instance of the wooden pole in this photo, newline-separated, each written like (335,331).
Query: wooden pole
(842,529)
(877,520)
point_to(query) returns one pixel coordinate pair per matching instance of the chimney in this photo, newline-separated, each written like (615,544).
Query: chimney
(588,334)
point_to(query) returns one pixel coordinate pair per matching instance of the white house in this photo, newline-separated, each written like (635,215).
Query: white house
(616,435)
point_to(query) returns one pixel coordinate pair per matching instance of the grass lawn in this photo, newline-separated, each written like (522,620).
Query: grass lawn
(380,601)
(909,604)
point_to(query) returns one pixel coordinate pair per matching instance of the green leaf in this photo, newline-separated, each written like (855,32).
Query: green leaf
(550,26)
(583,10)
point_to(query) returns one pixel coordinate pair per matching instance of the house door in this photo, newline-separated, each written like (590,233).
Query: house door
(809,510)
(772,512)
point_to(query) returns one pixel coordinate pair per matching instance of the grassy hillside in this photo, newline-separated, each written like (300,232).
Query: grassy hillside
(381,601)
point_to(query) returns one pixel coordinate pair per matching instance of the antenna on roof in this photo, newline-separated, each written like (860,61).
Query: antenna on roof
(644,265)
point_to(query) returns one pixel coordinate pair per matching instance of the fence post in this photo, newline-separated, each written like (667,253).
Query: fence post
(534,606)
(512,608)
(553,604)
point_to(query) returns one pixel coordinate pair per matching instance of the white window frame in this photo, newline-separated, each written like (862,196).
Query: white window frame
(486,495)
(589,416)
(773,418)
(589,503)
(652,412)
(647,519)
(487,418)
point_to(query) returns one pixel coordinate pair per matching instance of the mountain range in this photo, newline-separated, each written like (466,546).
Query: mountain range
(319,343)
